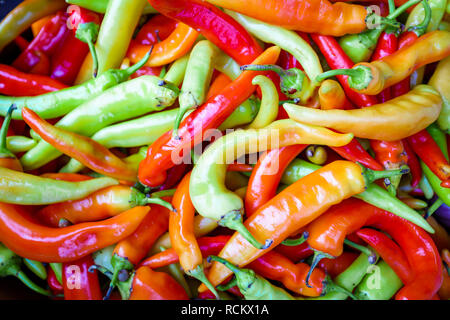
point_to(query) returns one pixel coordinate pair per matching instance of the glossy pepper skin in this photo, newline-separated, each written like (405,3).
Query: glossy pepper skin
(419,248)
(215,25)
(63,244)
(16,83)
(440,81)
(335,19)
(419,108)
(293,208)
(7,158)
(156,29)
(152,171)
(78,282)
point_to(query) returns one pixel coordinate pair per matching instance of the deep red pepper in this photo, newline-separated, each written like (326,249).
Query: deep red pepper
(174,175)
(147,71)
(47,41)
(334,267)
(295,253)
(19,84)
(387,45)
(79,283)
(22,43)
(53,283)
(215,25)
(80,15)
(156,29)
(413,164)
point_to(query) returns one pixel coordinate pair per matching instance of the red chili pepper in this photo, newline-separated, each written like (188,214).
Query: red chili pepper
(53,282)
(147,71)
(413,164)
(295,253)
(429,152)
(160,155)
(389,251)
(80,15)
(41,63)
(156,29)
(22,43)
(174,175)
(327,234)
(79,283)
(46,42)
(215,25)
(355,152)
(19,84)
(334,267)
(387,45)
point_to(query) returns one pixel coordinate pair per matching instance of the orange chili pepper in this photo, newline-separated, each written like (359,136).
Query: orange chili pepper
(23,236)
(151,285)
(221,81)
(74,177)
(332,96)
(173,47)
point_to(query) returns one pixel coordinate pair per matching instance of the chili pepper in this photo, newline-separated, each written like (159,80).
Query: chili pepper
(196,80)
(10,266)
(389,251)
(332,96)
(373,77)
(85,25)
(22,16)
(289,41)
(16,83)
(89,152)
(419,108)
(78,282)
(104,203)
(151,285)
(324,234)
(335,19)
(419,12)
(441,237)
(114,36)
(22,43)
(148,93)
(413,164)
(99,6)
(59,103)
(7,158)
(53,283)
(206,184)
(152,171)
(266,176)
(225,32)
(39,24)
(130,251)
(46,42)
(36,267)
(63,244)
(334,267)
(381,284)
(316,154)
(294,208)
(439,81)
(156,29)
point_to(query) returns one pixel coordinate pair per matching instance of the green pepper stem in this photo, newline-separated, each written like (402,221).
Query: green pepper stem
(354,73)
(101,269)
(94,58)
(331,286)
(433,208)
(318,255)
(119,264)
(421,28)
(266,67)
(296,242)
(402,9)
(199,274)
(30,284)
(163,193)
(230,284)
(88,33)
(244,277)
(372,175)
(391,4)
(4,152)
(233,220)
(160,202)
(135,67)
(372,255)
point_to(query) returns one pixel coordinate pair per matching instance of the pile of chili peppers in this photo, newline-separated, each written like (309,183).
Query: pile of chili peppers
(219,149)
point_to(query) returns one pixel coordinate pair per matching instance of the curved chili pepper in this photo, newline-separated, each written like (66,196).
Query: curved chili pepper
(335,19)
(7,158)
(151,285)
(78,282)
(440,81)
(63,244)
(53,283)
(21,17)
(374,77)
(419,108)
(332,96)
(156,29)
(293,208)
(16,83)
(426,266)
(334,267)
(89,152)
(295,253)
(413,164)
(152,171)
(215,25)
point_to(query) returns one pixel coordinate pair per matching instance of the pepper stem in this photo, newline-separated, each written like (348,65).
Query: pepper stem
(230,284)
(359,76)
(233,220)
(244,277)
(135,67)
(199,274)
(30,284)
(421,28)
(4,152)
(87,33)
(163,193)
(101,269)
(372,255)
(318,255)
(119,264)
(140,199)
(296,242)
(372,175)
(391,4)
(433,208)
(402,9)
(331,286)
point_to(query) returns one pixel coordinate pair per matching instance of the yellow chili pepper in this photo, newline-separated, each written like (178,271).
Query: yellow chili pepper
(268,111)
(441,82)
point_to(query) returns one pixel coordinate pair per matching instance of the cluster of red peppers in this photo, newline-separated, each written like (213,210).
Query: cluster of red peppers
(121,178)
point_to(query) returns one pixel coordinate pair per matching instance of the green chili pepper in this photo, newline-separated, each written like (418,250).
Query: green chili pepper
(88,33)
(374,194)
(117,28)
(196,80)
(435,182)
(17,144)
(440,138)
(36,267)
(10,266)
(268,110)
(124,101)
(286,40)
(177,71)
(418,13)
(380,284)
(57,270)
(359,47)
(227,65)
(58,103)
(100,5)
(27,189)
